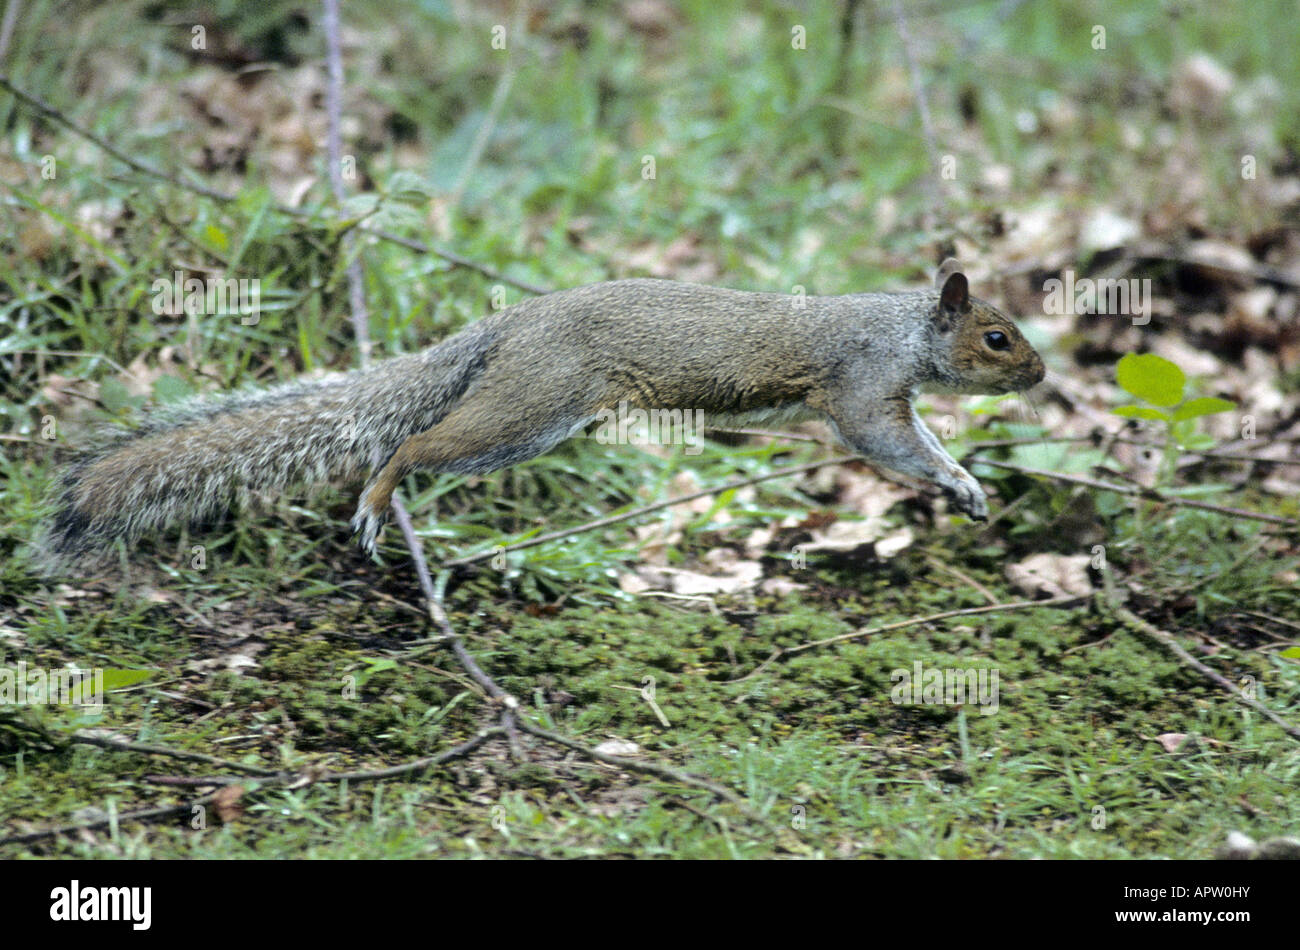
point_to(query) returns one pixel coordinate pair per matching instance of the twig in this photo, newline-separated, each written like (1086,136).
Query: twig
(360,322)
(648,768)
(273,780)
(1278,620)
(144,814)
(12,10)
(1189,457)
(918,85)
(194,781)
(40,105)
(334,156)
(983,591)
(406,768)
(484,133)
(915,621)
(118,745)
(644,510)
(1148,493)
(1108,602)
(923,110)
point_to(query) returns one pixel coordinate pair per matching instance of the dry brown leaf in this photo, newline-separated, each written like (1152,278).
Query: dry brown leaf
(1053,574)
(226,803)
(1172,741)
(1200,87)
(1105,229)
(618,747)
(780,586)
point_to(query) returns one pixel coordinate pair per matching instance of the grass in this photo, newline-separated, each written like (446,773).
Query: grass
(774,167)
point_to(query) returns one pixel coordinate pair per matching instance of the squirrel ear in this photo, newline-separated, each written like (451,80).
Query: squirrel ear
(949,267)
(954,292)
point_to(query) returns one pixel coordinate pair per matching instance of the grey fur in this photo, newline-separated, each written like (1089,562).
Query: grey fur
(518,382)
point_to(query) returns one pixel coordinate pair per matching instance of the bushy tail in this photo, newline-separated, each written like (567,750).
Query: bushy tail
(193,462)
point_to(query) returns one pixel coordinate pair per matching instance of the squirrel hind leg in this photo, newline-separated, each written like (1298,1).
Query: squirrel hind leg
(465,442)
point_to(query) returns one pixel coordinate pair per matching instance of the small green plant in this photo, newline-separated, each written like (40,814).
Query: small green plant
(1163,385)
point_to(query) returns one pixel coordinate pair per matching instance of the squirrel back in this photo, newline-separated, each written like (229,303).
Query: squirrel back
(516,383)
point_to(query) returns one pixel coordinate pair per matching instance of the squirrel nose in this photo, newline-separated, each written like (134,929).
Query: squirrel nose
(1038,372)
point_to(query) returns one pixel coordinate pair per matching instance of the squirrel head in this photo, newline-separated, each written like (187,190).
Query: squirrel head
(977,347)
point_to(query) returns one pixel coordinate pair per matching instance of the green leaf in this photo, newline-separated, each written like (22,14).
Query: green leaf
(1140,412)
(120,679)
(1291,653)
(1182,430)
(374,666)
(84,690)
(1203,406)
(171,389)
(409,186)
(1152,378)
(255,202)
(987,405)
(216,237)
(114,396)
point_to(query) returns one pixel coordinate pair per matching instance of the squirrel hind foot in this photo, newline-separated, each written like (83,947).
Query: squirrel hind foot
(366,526)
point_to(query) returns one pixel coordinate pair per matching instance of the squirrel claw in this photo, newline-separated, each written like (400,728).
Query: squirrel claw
(367,525)
(969,500)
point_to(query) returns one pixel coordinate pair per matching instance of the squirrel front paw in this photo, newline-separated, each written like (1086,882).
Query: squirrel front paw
(966,495)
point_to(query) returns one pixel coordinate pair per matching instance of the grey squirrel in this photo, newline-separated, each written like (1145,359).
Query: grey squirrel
(518,382)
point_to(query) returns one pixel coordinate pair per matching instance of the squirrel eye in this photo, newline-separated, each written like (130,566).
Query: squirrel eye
(997,340)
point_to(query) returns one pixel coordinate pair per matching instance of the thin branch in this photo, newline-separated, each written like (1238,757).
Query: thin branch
(419,765)
(949,569)
(1061,601)
(644,510)
(360,323)
(648,768)
(118,745)
(144,814)
(913,622)
(933,181)
(484,133)
(1148,493)
(273,780)
(12,10)
(918,84)
(40,105)
(334,156)
(1190,456)
(1108,602)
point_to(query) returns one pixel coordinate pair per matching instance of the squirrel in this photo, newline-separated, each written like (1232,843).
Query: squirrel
(515,384)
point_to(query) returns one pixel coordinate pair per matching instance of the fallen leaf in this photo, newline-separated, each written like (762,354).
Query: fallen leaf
(618,747)
(226,803)
(1053,574)
(1172,741)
